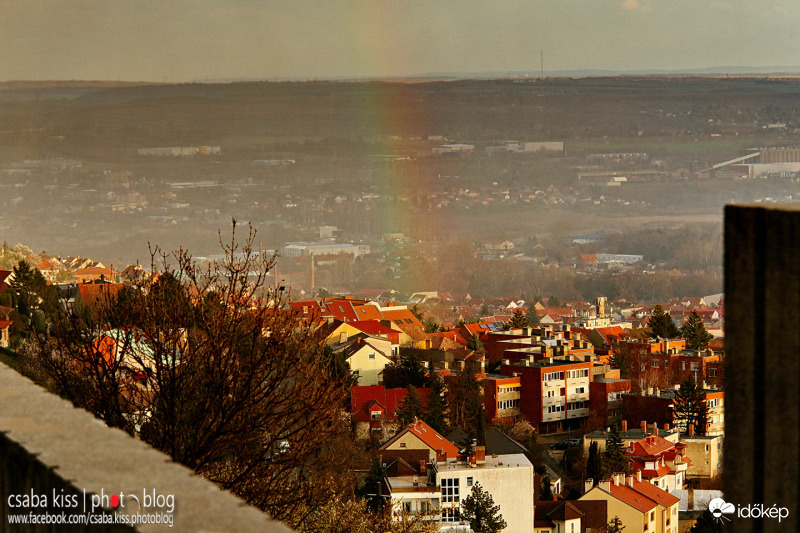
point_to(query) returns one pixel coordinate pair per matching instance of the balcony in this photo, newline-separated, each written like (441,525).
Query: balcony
(552,417)
(580,397)
(577,413)
(553,400)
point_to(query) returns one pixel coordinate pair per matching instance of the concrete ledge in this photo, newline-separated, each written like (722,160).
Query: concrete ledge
(48,445)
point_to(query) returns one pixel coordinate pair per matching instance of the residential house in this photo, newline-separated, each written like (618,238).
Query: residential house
(401,318)
(50,268)
(705,451)
(92,274)
(660,462)
(420,436)
(641,506)
(367,357)
(373,408)
(571,516)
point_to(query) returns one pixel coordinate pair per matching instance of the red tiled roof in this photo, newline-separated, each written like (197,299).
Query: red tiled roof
(402,317)
(430,437)
(368,312)
(650,446)
(453,335)
(656,494)
(632,497)
(662,470)
(93,293)
(373,327)
(5,323)
(341,309)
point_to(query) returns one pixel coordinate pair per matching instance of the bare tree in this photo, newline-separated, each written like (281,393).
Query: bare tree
(207,365)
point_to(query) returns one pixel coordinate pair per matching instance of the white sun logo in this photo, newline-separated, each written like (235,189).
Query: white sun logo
(719,507)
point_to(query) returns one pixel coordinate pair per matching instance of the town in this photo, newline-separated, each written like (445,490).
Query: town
(559,413)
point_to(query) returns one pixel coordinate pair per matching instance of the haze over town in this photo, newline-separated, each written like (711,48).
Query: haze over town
(484,256)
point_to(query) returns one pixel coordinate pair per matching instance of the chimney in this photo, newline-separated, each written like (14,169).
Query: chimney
(624,426)
(638,475)
(618,478)
(605,485)
(691,429)
(643,425)
(480,454)
(588,485)
(629,481)
(666,426)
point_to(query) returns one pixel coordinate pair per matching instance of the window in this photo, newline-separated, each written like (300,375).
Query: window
(343,336)
(469,481)
(694,366)
(656,363)
(372,356)
(402,444)
(712,372)
(451,514)
(450,491)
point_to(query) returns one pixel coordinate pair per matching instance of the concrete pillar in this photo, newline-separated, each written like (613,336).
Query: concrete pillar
(762,374)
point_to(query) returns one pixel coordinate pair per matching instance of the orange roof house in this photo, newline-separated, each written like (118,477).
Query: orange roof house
(420,436)
(92,274)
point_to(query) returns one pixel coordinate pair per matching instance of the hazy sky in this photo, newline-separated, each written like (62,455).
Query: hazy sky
(181,40)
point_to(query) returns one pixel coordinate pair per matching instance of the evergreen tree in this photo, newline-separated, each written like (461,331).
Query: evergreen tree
(519,320)
(431,325)
(481,512)
(404,371)
(547,489)
(695,333)
(28,283)
(690,407)
(436,415)
(594,464)
(373,489)
(615,525)
(475,344)
(614,459)
(411,407)
(661,325)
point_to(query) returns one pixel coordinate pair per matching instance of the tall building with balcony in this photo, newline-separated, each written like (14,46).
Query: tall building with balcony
(554,393)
